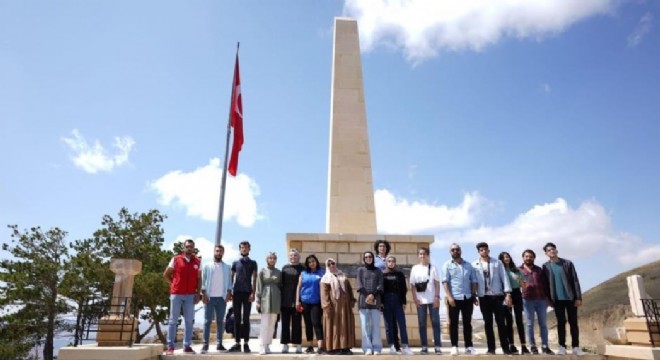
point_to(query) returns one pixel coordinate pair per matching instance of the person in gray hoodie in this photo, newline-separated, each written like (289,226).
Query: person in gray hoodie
(370,290)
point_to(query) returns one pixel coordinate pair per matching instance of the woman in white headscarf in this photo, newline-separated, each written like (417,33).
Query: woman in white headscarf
(337,301)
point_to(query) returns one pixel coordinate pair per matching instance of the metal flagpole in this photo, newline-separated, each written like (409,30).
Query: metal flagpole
(223,184)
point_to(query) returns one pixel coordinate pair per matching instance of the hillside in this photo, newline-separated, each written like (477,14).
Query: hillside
(607,305)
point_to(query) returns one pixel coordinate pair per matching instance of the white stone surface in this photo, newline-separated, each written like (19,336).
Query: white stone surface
(636,292)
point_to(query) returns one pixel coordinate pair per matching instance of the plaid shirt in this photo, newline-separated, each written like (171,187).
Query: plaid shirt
(535,283)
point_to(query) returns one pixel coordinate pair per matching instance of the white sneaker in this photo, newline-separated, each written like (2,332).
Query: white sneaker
(577,351)
(470,351)
(561,351)
(376,352)
(285,349)
(454,351)
(298,349)
(392,350)
(368,352)
(267,349)
(262,350)
(405,350)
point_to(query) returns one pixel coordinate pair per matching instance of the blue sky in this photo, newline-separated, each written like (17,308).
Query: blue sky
(515,123)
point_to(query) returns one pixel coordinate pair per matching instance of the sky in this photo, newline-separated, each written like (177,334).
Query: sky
(511,122)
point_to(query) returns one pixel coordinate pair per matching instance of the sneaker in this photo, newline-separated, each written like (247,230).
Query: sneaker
(561,351)
(285,349)
(405,350)
(205,349)
(577,351)
(262,350)
(169,351)
(298,349)
(392,350)
(470,351)
(524,350)
(507,352)
(513,349)
(220,348)
(235,348)
(320,351)
(309,350)
(454,350)
(424,350)
(188,350)
(438,350)
(246,348)
(368,352)
(376,352)
(267,347)
(490,352)
(546,350)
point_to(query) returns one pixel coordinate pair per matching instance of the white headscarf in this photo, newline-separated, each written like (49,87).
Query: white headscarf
(336,279)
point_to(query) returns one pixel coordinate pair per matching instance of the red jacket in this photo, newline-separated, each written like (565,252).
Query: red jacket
(186,275)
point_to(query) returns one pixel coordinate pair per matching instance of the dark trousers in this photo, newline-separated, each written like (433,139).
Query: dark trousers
(393,315)
(491,305)
(291,326)
(516,296)
(313,314)
(464,308)
(562,309)
(242,308)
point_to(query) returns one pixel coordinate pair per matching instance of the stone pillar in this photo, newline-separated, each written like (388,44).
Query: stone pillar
(636,292)
(350,188)
(115,329)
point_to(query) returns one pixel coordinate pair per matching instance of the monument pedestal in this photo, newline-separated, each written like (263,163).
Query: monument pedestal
(347,250)
(116,331)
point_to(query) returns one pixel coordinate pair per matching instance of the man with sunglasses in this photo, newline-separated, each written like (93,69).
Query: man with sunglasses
(460,283)
(565,296)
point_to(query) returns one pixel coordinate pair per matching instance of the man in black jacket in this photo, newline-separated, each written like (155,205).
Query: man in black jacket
(565,296)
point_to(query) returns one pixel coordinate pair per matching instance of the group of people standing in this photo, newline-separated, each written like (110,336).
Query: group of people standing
(324,298)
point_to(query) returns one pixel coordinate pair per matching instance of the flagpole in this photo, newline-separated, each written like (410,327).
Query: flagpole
(223,183)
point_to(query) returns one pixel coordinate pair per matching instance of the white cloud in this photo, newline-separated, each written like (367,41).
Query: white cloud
(198,192)
(580,232)
(206,248)
(423,28)
(643,27)
(93,158)
(401,216)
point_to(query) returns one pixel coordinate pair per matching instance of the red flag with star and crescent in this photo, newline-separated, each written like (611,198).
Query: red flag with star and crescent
(236,120)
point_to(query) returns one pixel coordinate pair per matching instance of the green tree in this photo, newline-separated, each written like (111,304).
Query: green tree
(132,236)
(29,295)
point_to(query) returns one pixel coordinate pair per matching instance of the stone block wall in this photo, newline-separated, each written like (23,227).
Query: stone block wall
(347,250)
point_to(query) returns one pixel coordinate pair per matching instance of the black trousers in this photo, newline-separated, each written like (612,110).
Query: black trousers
(562,309)
(291,326)
(516,296)
(463,308)
(491,305)
(313,315)
(242,307)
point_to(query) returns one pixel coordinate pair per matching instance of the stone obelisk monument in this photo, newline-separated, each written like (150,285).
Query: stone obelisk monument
(351,215)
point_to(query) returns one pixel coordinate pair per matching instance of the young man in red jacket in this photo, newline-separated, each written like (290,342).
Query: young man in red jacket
(185,277)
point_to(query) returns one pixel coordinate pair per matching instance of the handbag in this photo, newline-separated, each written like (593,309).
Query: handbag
(299,308)
(421,286)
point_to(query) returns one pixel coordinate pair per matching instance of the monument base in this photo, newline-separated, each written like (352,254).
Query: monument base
(116,331)
(637,331)
(347,250)
(621,352)
(95,352)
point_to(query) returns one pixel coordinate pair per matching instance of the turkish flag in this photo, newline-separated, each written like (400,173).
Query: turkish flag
(236,120)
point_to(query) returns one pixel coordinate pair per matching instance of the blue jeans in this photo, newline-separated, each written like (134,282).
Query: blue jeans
(393,314)
(218,306)
(435,323)
(370,321)
(539,307)
(187,302)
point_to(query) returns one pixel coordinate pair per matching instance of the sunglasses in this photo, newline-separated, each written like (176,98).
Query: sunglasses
(331,263)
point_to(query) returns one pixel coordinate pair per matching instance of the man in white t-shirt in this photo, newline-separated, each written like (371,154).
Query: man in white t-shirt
(216,292)
(425,287)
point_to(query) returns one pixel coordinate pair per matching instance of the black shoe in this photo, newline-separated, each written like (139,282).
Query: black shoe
(309,350)
(246,348)
(513,349)
(507,352)
(490,352)
(205,349)
(319,351)
(424,351)
(220,348)
(524,350)
(535,350)
(235,348)
(546,350)
(346,352)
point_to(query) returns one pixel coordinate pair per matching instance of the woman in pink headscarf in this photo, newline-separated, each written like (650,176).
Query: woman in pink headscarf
(337,301)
